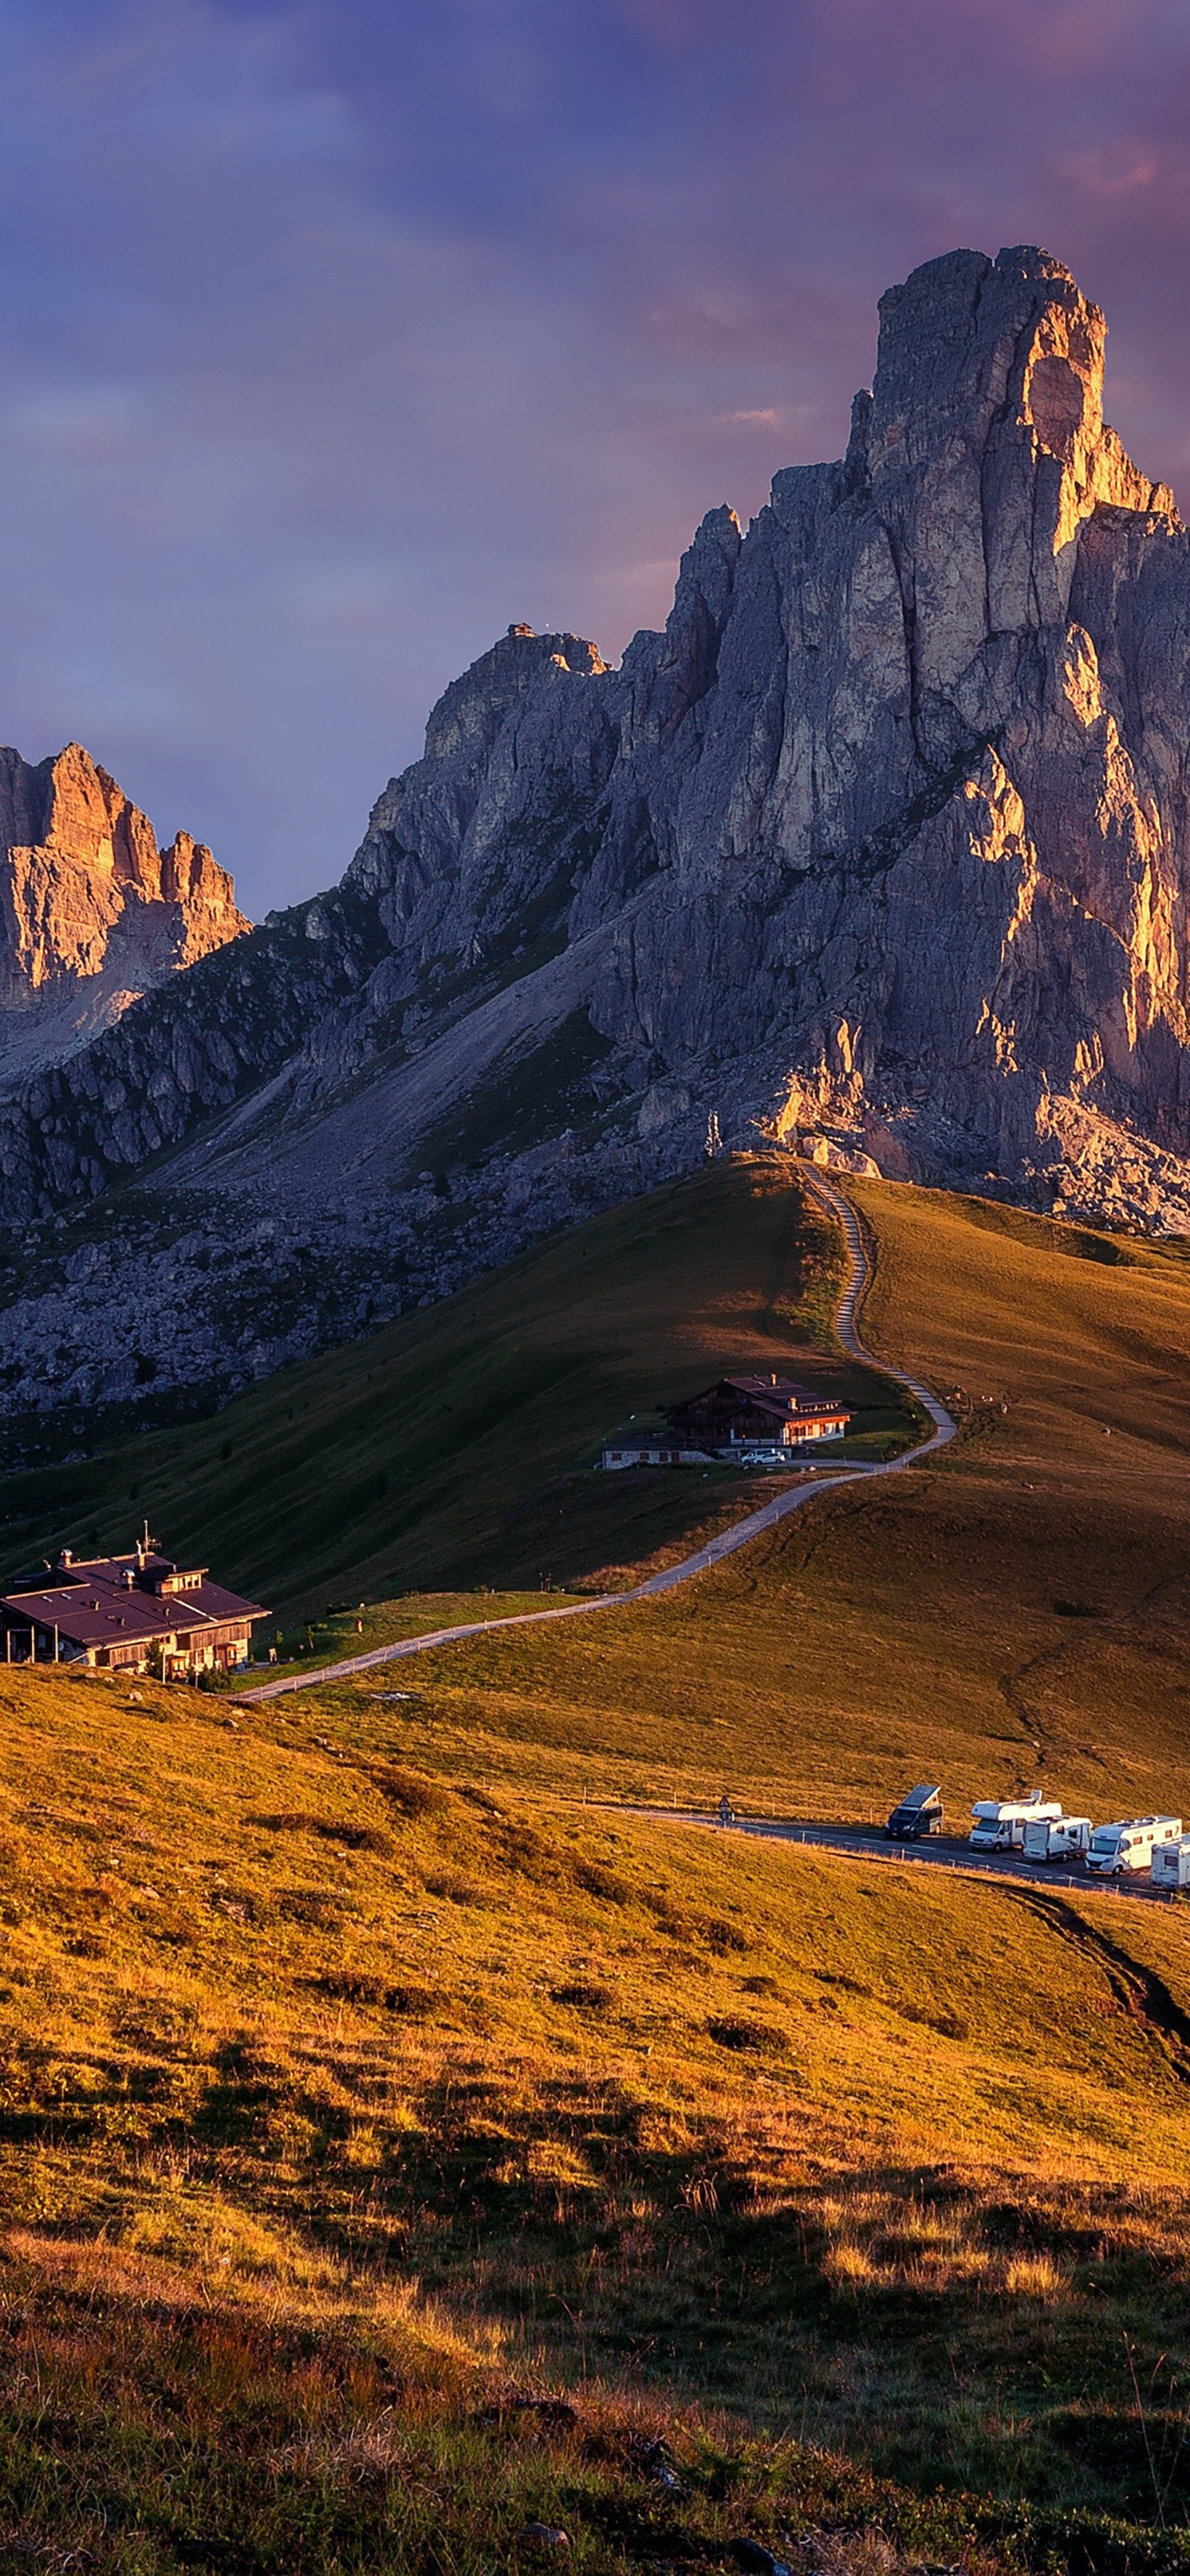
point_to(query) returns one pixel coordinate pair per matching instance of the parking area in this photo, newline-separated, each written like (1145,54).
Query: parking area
(940,1851)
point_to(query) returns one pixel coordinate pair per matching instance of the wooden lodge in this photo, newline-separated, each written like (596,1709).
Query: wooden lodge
(747,1412)
(130,1614)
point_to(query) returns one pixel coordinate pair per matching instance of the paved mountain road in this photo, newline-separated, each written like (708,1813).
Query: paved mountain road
(867,1842)
(740,1533)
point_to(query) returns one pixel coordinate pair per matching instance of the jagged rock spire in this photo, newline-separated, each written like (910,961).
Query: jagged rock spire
(92,912)
(885,833)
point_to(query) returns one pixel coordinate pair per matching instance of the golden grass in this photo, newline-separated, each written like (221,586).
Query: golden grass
(492,2084)
(344,2015)
(1016,1614)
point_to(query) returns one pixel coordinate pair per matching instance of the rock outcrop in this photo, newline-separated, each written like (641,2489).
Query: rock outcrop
(92,913)
(882,846)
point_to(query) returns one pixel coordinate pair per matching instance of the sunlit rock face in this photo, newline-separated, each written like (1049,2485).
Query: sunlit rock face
(896,805)
(880,847)
(92,913)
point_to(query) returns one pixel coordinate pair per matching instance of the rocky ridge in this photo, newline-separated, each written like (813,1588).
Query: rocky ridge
(92,913)
(881,847)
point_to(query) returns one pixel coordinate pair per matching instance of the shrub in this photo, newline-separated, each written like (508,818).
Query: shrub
(358,1986)
(754,2036)
(353,1837)
(603,1883)
(410,1792)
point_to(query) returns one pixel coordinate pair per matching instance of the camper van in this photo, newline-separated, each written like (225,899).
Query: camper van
(1056,1837)
(1170,1865)
(919,1814)
(1114,1850)
(998,1824)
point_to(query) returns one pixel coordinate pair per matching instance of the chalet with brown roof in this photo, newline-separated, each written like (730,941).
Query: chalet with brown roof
(757,1412)
(129,1614)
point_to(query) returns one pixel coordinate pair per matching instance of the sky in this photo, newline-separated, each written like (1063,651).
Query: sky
(341,335)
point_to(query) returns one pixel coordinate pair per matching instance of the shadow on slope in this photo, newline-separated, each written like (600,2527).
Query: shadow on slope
(1014,1614)
(367,2086)
(456,1446)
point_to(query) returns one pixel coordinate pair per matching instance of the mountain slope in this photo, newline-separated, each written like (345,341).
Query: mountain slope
(351,2101)
(457,1444)
(1018,1610)
(882,842)
(363,2080)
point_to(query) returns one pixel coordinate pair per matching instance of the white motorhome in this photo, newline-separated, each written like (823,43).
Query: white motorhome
(1056,1837)
(998,1824)
(1170,1864)
(1115,1850)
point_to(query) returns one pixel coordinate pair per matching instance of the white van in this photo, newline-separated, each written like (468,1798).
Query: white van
(1170,1864)
(998,1824)
(1056,1837)
(1114,1850)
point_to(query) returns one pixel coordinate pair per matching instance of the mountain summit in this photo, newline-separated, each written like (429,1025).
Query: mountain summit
(92,913)
(882,843)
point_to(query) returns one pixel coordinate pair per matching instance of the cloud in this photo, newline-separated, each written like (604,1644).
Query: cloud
(1113,172)
(340,333)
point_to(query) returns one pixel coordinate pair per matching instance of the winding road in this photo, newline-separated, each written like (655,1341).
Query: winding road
(740,1533)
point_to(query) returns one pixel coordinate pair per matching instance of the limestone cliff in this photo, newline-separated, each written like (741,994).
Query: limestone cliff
(882,844)
(92,913)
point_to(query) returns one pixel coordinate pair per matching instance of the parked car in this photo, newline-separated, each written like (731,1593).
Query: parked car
(1114,1851)
(919,1814)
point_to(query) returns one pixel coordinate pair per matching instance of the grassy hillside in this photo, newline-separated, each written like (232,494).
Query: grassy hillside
(360,2085)
(1015,1614)
(455,1447)
(342,2102)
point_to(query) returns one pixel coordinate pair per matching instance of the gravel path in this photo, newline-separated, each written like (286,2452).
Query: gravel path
(740,1534)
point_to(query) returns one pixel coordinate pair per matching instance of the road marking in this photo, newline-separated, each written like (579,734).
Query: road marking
(740,1534)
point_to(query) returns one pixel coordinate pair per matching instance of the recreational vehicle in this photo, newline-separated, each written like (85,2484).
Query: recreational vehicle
(919,1813)
(1115,1850)
(998,1824)
(1170,1864)
(1056,1837)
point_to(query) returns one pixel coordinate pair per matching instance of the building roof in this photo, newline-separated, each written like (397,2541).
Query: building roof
(106,1600)
(782,1393)
(780,1396)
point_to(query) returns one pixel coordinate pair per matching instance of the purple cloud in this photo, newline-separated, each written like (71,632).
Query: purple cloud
(339,335)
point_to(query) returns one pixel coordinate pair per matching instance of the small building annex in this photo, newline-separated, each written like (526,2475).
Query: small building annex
(128,1613)
(745,1412)
(650,1449)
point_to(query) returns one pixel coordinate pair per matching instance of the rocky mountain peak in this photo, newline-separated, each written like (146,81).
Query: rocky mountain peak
(92,912)
(879,846)
(471,711)
(986,411)
(959,339)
